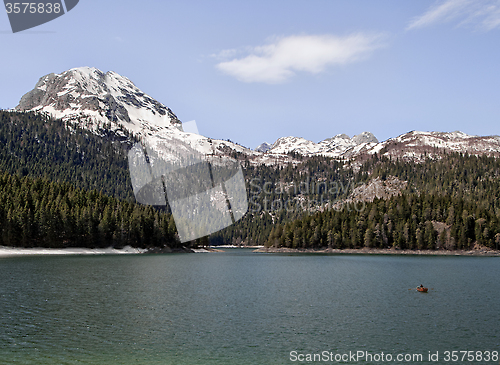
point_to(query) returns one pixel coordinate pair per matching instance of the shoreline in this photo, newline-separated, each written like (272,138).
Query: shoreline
(128,250)
(19,251)
(6,251)
(238,246)
(384,251)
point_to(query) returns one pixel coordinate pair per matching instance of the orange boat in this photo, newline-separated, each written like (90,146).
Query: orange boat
(422,289)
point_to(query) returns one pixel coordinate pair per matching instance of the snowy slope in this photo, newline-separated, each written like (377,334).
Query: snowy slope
(415,144)
(93,99)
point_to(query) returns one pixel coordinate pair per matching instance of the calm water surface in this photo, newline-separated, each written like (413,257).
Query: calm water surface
(240,307)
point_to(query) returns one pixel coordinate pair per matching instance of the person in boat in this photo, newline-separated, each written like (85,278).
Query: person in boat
(421,286)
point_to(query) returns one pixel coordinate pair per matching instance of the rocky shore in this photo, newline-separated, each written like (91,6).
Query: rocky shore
(384,251)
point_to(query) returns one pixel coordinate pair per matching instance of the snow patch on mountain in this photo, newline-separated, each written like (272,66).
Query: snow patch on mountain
(332,147)
(416,144)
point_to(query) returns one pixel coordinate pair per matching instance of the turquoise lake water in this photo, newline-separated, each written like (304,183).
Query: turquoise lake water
(240,307)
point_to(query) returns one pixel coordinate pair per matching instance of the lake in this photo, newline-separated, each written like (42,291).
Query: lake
(239,307)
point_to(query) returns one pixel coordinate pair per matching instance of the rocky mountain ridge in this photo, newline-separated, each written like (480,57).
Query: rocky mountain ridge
(331,147)
(263,147)
(95,99)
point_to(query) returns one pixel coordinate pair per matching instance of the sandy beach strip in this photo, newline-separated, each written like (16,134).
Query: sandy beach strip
(16,251)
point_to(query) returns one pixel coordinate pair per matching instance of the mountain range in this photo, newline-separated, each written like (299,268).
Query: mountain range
(100,116)
(93,99)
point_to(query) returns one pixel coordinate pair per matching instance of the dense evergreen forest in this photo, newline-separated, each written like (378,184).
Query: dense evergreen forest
(415,221)
(41,213)
(472,178)
(64,186)
(34,145)
(279,194)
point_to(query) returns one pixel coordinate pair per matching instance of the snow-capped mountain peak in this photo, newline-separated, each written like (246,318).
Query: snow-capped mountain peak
(411,145)
(93,99)
(100,97)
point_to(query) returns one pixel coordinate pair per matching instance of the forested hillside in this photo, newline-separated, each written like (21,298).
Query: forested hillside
(453,202)
(67,187)
(41,213)
(415,221)
(472,178)
(37,146)
(278,194)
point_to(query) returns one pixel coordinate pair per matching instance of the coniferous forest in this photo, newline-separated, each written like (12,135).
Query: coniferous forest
(405,222)
(34,145)
(40,213)
(62,186)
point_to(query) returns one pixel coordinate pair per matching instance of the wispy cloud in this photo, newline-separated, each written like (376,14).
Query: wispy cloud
(279,60)
(482,14)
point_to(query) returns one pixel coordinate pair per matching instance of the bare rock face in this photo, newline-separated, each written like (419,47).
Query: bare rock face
(38,96)
(365,137)
(263,147)
(378,188)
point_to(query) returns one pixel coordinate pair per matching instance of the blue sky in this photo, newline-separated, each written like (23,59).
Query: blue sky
(254,71)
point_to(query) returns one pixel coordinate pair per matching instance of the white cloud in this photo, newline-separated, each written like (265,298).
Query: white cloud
(278,61)
(482,14)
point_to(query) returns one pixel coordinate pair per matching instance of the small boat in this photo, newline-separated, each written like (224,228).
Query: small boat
(422,289)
